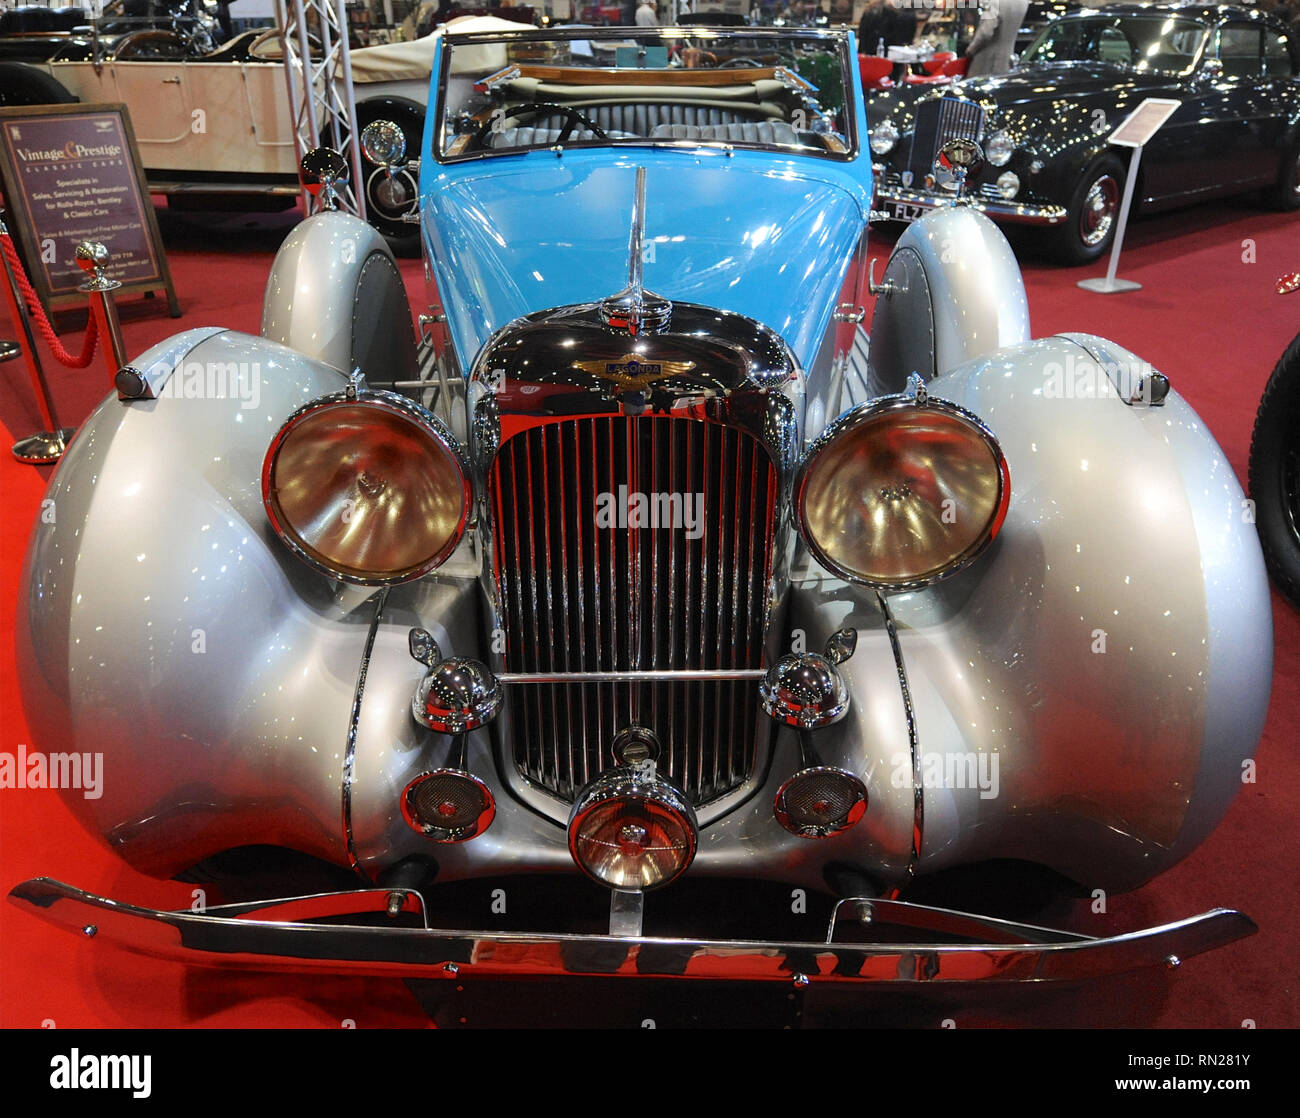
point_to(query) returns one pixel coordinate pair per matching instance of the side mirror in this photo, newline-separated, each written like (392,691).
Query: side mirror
(384,144)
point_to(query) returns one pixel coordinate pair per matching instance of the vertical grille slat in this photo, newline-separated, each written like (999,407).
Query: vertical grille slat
(576,597)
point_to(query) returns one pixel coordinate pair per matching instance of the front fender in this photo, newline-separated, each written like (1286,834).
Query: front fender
(1113,648)
(335,294)
(163,626)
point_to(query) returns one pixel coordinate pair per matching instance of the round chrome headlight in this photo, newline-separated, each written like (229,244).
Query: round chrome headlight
(899,493)
(630,832)
(999,148)
(1008,184)
(883,137)
(370,488)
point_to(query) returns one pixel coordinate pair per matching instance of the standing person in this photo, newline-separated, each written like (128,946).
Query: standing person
(646,15)
(884,24)
(995,37)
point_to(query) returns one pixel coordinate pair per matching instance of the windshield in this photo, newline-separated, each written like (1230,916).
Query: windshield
(1152,44)
(514,91)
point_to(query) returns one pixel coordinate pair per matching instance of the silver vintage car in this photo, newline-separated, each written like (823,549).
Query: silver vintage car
(640,567)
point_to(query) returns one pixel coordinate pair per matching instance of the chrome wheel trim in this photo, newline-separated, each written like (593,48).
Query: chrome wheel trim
(1097,215)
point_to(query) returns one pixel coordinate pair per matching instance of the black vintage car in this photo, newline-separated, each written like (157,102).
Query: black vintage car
(1045,127)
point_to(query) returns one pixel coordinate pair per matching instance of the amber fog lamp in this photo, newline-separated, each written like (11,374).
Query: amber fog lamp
(901,492)
(632,832)
(369,488)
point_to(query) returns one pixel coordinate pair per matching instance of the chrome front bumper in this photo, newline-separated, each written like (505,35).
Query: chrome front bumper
(287,935)
(1022,213)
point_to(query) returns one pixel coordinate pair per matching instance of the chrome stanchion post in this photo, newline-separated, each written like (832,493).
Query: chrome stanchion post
(48,445)
(91,259)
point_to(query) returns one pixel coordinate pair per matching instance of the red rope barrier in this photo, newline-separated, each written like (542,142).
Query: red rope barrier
(77,361)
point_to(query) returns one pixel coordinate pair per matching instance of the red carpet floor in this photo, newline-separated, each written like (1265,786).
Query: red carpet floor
(1206,316)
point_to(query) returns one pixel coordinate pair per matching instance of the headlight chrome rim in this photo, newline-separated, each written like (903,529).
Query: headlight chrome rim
(405,409)
(999,148)
(870,412)
(1008,184)
(883,138)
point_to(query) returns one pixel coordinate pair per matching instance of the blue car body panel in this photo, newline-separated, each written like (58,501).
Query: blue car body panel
(762,233)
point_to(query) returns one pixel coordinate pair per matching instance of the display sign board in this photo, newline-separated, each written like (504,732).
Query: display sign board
(1144,122)
(72,173)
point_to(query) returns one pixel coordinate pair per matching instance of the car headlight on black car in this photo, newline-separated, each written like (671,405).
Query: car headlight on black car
(901,492)
(884,137)
(367,487)
(999,148)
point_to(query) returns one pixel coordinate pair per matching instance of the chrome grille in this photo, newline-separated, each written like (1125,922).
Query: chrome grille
(937,122)
(579,598)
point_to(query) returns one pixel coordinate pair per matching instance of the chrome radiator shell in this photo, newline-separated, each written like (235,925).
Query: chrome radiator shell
(565,410)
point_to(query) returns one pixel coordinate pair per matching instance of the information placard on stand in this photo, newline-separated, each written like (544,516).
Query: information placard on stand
(1134,132)
(72,173)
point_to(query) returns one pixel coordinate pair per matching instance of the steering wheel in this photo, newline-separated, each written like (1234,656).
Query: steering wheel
(697,59)
(572,119)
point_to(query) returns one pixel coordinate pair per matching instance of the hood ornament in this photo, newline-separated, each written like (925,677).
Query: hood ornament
(635,309)
(957,160)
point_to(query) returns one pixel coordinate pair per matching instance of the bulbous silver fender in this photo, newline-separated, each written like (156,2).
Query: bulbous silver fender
(334,293)
(1086,695)
(165,627)
(952,292)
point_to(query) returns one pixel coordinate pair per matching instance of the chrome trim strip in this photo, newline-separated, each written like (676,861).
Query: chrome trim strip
(1017,212)
(167,357)
(216,939)
(913,743)
(666,675)
(350,751)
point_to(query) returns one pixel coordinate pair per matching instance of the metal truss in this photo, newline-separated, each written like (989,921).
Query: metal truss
(318,69)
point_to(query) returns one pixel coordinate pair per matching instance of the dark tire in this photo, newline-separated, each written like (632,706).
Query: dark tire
(21,84)
(1089,227)
(1285,194)
(1275,473)
(381,211)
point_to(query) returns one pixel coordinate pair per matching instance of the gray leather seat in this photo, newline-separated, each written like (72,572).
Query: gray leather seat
(537,136)
(773,132)
(640,120)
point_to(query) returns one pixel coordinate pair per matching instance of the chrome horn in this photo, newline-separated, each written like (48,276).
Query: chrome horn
(456,695)
(807,691)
